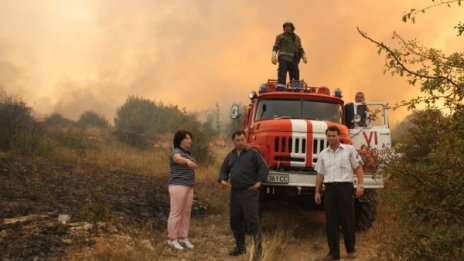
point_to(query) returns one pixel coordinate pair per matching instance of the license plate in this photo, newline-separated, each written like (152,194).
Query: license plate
(278,178)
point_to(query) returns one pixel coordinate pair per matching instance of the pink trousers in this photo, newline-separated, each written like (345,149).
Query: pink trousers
(181,199)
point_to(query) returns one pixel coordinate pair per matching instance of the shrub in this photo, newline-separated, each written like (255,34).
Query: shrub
(16,121)
(426,188)
(140,123)
(58,119)
(90,118)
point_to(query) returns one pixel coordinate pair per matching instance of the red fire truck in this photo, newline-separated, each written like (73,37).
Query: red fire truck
(287,124)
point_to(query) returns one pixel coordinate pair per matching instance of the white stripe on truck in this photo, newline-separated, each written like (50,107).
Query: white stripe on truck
(319,126)
(300,132)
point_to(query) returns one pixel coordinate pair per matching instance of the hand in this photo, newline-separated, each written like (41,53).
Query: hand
(274,59)
(256,186)
(224,184)
(191,164)
(359,192)
(317,198)
(305,60)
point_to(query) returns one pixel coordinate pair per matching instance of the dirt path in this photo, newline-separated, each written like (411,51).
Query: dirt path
(290,233)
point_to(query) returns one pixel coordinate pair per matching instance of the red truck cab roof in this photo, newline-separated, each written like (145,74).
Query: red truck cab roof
(296,89)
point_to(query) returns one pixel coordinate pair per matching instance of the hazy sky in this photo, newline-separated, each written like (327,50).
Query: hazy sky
(71,56)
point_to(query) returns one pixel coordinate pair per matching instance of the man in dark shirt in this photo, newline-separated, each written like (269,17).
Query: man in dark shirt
(246,169)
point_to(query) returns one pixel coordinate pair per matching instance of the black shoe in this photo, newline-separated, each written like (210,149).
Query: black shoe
(330,258)
(351,255)
(237,251)
(240,247)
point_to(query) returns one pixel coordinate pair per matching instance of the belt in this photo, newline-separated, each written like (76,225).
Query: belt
(240,189)
(329,184)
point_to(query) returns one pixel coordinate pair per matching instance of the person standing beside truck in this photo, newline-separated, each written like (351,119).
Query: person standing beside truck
(246,170)
(288,51)
(181,181)
(334,168)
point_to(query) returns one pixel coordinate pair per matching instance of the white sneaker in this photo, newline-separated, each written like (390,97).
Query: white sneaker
(185,243)
(175,244)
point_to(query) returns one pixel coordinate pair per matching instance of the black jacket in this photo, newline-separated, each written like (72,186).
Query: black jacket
(244,170)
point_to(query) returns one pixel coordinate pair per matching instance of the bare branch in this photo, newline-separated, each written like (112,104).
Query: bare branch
(401,65)
(412,13)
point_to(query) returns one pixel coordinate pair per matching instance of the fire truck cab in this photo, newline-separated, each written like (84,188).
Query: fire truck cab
(287,124)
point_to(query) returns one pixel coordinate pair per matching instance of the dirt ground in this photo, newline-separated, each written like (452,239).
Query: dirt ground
(290,233)
(115,215)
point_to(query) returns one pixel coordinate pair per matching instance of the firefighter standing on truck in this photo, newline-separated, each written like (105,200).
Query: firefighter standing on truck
(288,51)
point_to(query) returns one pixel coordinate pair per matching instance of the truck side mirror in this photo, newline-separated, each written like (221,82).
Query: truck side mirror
(235,111)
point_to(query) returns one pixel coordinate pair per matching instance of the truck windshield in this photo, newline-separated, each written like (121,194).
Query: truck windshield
(298,109)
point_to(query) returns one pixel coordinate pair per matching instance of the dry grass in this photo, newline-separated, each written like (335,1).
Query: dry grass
(122,248)
(289,232)
(210,233)
(101,149)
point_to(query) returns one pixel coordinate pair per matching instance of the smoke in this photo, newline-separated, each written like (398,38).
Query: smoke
(74,56)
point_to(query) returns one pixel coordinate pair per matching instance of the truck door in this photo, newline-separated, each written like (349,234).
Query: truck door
(248,123)
(372,130)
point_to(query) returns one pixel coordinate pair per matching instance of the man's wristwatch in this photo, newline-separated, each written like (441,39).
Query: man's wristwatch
(360,185)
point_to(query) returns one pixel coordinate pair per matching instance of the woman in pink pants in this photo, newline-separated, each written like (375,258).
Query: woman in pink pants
(181,181)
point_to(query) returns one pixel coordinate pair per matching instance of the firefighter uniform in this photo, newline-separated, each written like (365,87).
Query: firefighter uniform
(289,50)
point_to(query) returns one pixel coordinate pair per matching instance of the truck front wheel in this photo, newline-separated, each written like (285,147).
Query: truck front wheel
(366,210)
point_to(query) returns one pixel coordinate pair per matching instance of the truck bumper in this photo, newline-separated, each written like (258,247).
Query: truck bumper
(308,179)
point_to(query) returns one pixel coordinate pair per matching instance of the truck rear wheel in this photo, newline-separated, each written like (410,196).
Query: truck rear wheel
(366,210)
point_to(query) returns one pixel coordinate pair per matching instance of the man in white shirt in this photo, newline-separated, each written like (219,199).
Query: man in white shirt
(334,168)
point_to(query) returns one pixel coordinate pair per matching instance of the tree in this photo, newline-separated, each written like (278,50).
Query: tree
(217,114)
(440,75)
(425,186)
(58,119)
(91,118)
(140,122)
(209,126)
(16,121)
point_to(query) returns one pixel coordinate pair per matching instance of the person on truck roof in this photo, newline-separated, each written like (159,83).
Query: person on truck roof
(288,51)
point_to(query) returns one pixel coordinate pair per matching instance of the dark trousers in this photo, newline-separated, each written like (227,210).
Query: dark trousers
(290,67)
(244,217)
(339,210)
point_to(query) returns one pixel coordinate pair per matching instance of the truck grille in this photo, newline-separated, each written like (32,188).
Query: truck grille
(290,145)
(297,146)
(318,145)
